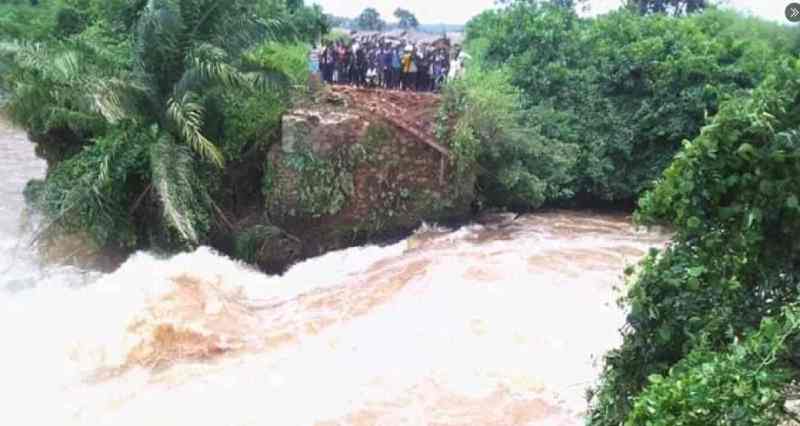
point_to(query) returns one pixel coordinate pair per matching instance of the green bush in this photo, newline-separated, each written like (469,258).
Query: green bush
(89,191)
(60,19)
(627,89)
(69,22)
(290,59)
(254,117)
(22,21)
(250,119)
(741,385)
(298,21)
(487,130)
(732,196)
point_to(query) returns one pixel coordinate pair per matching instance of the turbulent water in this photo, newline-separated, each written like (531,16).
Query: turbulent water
(495,324)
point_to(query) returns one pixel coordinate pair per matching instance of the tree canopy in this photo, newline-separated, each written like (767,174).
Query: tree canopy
(406,19)
(370,20)
(675,7)
(627,89)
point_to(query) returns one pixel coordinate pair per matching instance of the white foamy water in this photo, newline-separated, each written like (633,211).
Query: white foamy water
(487,325)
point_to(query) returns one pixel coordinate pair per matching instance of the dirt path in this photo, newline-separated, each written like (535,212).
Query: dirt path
(411,112)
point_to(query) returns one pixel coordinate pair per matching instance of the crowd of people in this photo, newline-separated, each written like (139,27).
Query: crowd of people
(380,62)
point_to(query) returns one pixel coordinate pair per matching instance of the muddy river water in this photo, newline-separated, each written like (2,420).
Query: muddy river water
(502,323)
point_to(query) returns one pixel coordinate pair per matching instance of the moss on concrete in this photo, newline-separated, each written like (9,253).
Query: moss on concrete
(341,178)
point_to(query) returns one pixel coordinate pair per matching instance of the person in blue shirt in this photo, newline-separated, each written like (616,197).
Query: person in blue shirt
(386,66)
(396,65)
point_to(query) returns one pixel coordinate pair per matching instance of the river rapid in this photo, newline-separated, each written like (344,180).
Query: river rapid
(501,323)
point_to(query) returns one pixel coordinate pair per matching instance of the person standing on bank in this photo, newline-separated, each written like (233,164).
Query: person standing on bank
(421,59)
(323,64)
(361,66)
(406,61)
(313,61)
(413,71)
(386,66)
(397,67)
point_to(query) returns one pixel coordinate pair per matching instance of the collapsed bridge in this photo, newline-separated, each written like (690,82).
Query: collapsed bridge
(358,164)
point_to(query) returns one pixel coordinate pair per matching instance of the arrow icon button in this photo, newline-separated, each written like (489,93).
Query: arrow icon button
(793,12)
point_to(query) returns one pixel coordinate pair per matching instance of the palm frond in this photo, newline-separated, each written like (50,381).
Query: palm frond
(186,116)
(207,65)
(217,73)
(104,171)
(212,65)
(79,121)
(108,102)
(173,180)
(232,25)
(238,33)
(208,52)
(67,65)
(236,26)
(49,86)
(277,29)
(158,51)
(116,98)
(8,48)
(59,63)
(32,56)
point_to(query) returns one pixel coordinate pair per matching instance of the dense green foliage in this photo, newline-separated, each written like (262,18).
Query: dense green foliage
(140,105)
(693,352)
(482,119)
(21,20)
(306,23)
(625,88)
(742,385)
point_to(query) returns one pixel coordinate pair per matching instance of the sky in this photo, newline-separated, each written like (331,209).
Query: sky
(460,11)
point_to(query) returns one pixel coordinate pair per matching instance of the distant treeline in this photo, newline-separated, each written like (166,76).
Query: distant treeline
(352,24)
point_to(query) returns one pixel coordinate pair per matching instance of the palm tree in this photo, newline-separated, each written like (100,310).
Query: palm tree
(181,50)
